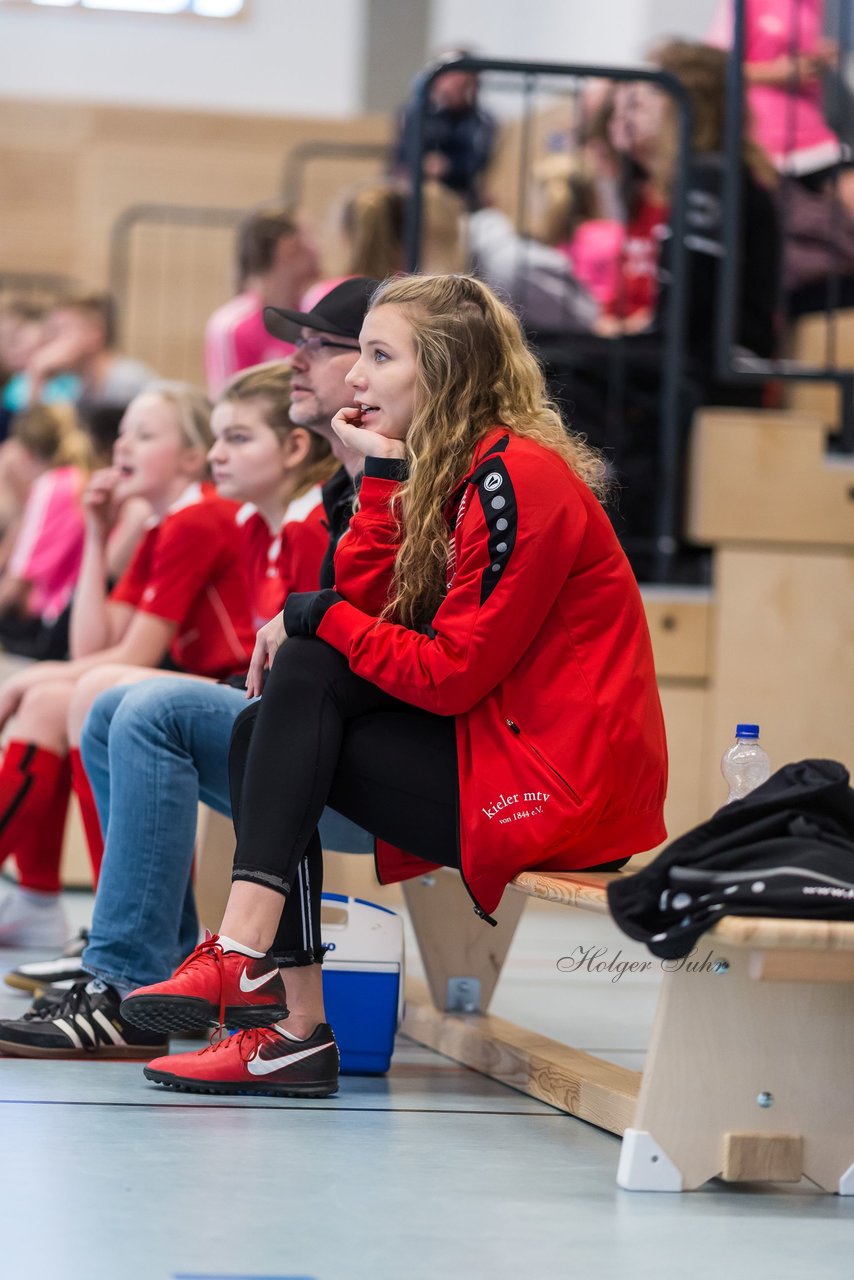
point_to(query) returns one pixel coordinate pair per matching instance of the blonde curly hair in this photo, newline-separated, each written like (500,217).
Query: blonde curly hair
(474,371)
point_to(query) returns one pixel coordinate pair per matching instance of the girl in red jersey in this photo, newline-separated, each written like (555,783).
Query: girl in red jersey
(182,599)
(191,575)
(497,710)
(276,469)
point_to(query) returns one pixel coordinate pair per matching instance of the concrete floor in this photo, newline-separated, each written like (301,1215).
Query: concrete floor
(431,1171)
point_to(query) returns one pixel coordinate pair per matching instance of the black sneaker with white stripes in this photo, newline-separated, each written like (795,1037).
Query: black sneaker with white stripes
(65,970)
(84,1023)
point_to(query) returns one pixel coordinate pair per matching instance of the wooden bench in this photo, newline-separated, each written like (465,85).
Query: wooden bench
(750,1066)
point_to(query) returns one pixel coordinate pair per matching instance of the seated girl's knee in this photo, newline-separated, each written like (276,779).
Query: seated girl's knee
(99,716)
(305,659)
(46,697)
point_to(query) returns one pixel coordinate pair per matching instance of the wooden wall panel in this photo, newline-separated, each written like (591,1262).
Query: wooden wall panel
(69,171)
(762,476)
(784,639)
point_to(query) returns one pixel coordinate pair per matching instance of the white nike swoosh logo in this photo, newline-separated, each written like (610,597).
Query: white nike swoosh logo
(252,984)
(264,1066)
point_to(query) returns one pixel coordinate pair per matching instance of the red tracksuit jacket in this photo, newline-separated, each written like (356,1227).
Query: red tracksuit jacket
(540,650)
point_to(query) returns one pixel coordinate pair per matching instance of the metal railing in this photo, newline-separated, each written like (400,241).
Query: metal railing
(165,290)
(305,154)
(201,217)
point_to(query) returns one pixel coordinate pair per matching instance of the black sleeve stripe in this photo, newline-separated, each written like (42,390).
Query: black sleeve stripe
(498,502)
(499,446)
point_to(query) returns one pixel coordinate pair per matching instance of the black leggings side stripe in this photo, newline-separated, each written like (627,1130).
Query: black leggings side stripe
(322,735)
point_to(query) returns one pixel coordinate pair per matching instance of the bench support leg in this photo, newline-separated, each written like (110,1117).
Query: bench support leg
(463,957)
(745,1079)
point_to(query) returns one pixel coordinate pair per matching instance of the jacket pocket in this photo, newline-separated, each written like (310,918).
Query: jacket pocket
(528,746)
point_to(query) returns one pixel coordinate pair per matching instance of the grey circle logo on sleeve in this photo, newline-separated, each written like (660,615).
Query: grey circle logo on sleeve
(493,481)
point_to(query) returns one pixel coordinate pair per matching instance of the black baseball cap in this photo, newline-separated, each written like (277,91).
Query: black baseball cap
(340,311)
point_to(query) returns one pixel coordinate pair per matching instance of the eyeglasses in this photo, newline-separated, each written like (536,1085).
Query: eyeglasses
(313,346)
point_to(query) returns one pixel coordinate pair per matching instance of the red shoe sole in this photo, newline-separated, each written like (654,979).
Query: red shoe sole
(173,1014)
(310,1089)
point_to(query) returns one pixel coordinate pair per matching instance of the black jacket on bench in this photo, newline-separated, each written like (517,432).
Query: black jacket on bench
(787,849)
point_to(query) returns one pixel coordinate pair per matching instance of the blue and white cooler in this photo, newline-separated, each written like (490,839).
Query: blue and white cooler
(362,980)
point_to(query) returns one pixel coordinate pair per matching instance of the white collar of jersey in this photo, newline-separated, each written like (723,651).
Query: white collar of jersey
(302,507)
(191,495)
(299,509)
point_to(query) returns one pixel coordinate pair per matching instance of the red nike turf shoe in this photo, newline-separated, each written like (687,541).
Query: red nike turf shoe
(265,1060)
(211,987)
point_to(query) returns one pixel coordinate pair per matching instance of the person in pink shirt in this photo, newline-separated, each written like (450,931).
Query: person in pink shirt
(568,216)
(52,455)
(784,52)
(276,262)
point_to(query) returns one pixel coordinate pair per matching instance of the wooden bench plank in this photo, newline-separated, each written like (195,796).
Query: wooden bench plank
(576,1082)
(765,933)
(587,891)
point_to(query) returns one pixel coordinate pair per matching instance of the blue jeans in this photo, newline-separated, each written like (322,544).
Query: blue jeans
(152,751)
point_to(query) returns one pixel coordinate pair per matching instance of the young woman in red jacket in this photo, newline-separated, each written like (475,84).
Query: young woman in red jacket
(478,690)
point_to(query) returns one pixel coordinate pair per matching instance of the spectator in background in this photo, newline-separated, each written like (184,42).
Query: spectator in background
(785,53)
(69,356)
(99,425)
(536,278)
(634,129)
(53,457)
(786,56)
(459,135)
(22,332)
(373,225)
(569,217)
(276,263)
(80,342)
(644,130)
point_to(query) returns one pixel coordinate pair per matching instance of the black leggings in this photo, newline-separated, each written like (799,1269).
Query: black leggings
(322,735)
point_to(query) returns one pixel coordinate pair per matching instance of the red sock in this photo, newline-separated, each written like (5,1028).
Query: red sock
(38,851)
(88,812)
(29,776)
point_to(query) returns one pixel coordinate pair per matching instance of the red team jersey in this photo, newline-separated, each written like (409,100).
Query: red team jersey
(286,560)
(639,259)
(188,569)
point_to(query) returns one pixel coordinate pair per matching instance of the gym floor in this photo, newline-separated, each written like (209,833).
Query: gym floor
(430,1172)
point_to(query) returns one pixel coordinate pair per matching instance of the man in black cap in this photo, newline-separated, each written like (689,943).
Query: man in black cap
(153,749)
(326,341)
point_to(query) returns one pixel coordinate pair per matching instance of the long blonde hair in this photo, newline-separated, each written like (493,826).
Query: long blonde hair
(373,221)
(473,371)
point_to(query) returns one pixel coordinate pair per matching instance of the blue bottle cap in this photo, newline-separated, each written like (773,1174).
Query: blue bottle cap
(747,730)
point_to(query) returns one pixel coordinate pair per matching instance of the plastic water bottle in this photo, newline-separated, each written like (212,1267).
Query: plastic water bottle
(745,765)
